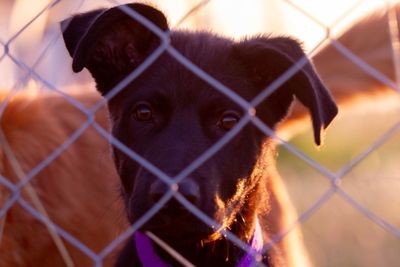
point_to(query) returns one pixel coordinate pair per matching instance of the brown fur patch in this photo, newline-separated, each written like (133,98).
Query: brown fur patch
(79,189)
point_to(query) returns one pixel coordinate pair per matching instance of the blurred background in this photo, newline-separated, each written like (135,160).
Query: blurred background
(31,32)
(336,234)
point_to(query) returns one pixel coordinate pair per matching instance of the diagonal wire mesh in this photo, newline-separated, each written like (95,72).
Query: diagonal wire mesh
(26,178)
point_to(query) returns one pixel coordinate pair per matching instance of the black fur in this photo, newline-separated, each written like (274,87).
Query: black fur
(187,116)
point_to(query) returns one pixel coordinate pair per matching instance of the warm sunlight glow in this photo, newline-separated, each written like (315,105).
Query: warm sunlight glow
(306,20)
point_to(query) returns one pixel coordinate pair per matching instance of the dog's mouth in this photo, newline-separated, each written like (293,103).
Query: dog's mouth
(175,223)
(186,228)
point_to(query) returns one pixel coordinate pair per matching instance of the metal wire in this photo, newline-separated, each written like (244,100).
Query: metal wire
(40,214)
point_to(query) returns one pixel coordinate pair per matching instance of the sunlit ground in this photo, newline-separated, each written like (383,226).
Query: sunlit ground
(337,234)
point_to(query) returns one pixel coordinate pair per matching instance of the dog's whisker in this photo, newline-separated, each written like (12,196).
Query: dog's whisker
(227,250)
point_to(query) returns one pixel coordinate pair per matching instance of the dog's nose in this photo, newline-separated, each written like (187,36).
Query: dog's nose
(188,188)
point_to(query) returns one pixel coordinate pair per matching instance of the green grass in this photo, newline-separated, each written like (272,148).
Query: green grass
(337,234)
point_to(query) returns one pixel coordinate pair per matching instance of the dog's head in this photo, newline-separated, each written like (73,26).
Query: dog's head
(170,116)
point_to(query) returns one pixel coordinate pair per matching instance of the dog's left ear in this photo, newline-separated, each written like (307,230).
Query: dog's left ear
(266,59)
(110,43)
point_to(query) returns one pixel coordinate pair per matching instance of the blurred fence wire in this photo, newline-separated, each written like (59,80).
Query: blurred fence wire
(30,69)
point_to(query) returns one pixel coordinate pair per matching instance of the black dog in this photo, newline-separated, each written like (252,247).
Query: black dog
(170,116)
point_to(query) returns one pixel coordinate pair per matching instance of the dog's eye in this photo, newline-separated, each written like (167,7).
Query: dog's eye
(228,121)
(143,112)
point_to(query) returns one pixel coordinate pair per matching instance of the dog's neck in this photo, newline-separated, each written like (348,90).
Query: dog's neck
(149,255)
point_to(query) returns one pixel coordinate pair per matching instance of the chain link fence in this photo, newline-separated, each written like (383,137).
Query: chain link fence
(21,190)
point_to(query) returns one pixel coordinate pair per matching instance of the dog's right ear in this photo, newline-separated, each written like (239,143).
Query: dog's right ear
(110,43)
(265,59)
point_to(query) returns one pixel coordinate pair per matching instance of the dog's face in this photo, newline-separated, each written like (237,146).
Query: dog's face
(170,116)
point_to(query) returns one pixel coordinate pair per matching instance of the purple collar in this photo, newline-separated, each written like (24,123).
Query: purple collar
(149,258)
